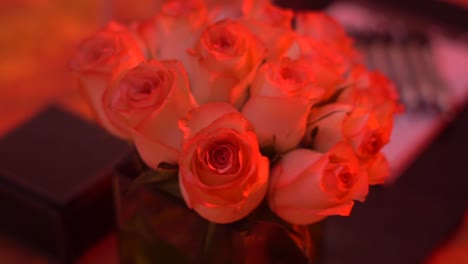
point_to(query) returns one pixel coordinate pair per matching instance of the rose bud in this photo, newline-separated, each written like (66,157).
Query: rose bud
(282,94)
(174,29)
(307,186)
(107,54)
(222,174)
(147,102)
(366,130)
(224,63)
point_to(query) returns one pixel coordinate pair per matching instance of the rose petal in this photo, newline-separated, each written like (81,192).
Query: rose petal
(163,123)
(328,120)
(93,87)
(296,191)
(304,216)
(274,125)
(230,213)
(153,152)
(378,169)
(201,117)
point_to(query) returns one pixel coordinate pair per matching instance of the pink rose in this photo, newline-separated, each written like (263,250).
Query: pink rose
(222,174)
(108,53)
(325,29)
(223,9)
(377,168)
(307,186)
(281,96)
(147,102)
(267,13)
(174,29)
(224,63)
(369,89)
(272,24)
(328,65)
(366,130)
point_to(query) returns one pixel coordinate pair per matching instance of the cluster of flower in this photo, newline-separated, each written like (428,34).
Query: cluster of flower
(252,102)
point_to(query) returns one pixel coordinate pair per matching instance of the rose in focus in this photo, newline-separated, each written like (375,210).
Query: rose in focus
(249,102)
(366,130)
(224,62)
(307,186)
(222,174)
(281,96)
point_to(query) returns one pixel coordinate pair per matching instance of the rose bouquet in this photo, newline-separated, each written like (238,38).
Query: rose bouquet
(243,111)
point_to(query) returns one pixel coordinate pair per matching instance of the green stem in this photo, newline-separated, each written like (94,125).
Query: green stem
(208,242)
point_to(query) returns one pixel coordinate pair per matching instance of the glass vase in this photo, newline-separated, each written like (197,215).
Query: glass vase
(156,227)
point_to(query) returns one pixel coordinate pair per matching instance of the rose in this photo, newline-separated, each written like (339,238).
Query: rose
(307,186)
(369,89)
(377,168)
(272,24)
(282,94)
(325,29)
(147,102)
(110,52)
(366,130)
(224,63)
(174,29)
(222,9)
(221,171)
(267,13)
(328,65)
(324,41)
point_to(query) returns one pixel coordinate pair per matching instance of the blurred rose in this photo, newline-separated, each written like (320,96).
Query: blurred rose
(272,24)
(282,94)
(366,130)
(377,168)
(307,186)
(222,173)
(174,29)
(147,102)
(328,65)
(224,63)
(106,55)
(369,89)
(223,9)
(268,13)
(325,29)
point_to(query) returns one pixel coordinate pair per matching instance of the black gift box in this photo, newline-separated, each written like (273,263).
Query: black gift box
(56,183)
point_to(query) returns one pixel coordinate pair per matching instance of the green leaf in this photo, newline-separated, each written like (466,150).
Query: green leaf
(208,243)
(165,181)
(154,177)
(262,213)
(172,188)
(140,245)
(265,214)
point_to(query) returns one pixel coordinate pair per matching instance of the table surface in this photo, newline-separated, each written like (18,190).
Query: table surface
(41,35)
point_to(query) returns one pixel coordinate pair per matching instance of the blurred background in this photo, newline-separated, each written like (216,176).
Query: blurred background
(37,38)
